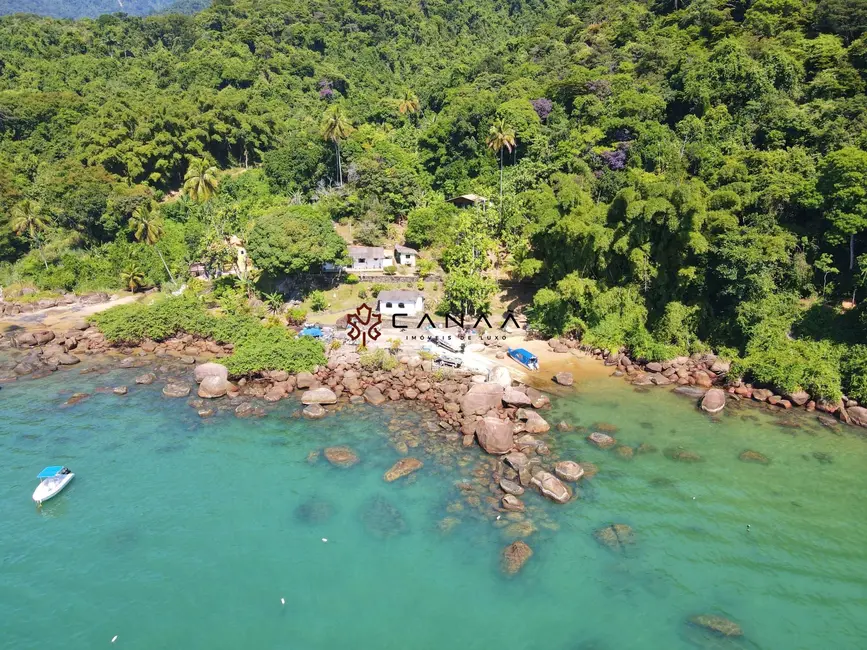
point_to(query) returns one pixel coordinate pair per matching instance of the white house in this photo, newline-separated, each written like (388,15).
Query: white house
(369,258)
(405,255)
(400,301)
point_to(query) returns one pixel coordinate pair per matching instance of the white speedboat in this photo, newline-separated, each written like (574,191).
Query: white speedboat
(52,480)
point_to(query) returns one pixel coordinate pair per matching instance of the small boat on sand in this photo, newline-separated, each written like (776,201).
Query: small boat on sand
(52,480)
(524,357)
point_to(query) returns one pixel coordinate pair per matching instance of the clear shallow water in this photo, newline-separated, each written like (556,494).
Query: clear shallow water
(181,532)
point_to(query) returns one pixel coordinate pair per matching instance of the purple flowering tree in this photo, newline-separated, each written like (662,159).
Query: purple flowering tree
(543,107)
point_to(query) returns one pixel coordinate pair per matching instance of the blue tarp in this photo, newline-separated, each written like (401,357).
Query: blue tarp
(524,357)
(50,472)
(312,331)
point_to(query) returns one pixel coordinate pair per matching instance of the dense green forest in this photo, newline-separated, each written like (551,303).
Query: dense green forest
(671,174)
(94,8)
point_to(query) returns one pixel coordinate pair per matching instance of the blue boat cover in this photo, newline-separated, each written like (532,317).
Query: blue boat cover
(311,331)
(50,472)
(522,356)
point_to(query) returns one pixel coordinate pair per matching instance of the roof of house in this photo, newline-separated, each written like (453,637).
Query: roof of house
(406,250)
(365,251)
(472,198)
(399,295)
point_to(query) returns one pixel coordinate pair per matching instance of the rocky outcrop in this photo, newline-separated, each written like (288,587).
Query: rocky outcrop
(714,400)
(564,378)
(568,470)
(321,395)
(211,370)
(535,423)
(857,415)
(601,440)
(515,556)
(401,468)
(550,486)
(481,398)
(176,390)
(514,397)
(494,435)
(717,624)
(213,386)
(341,456)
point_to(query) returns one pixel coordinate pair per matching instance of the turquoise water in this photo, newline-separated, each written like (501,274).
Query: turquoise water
(183,532)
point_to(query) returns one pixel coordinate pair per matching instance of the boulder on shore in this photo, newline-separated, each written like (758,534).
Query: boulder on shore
(515,555)
(494,435)
(551,487)
(211,370)
(314,412)
(500,375)
(213,386)
(304,380)
(402,468)
(714,400)
(319,395)
(374,396)
(717,624)
(568,470)
(564,378)
(857,415)
(481,398)
(514,397)
(601,440)
(536,423)
(176,390)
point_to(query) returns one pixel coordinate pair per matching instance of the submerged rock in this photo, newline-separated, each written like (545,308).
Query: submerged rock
(76,398)
(682,455)
(624,452)
(314,412)
(590,469)
(402,468)
(717,624)
(515,556)
(601,440)
(341,456)
(176,390)
(374,396)
(314,511)
(568,470)
(382,519)
(750,456)
(512,503)
(615,536)
(146,379)
(550,486)
(510,487)
(120,390)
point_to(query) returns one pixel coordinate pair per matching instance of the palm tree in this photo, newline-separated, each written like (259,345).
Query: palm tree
(27,217)
(408,104)
(200,181)
(336,127)
(147,228)
(132,277)
(501,136)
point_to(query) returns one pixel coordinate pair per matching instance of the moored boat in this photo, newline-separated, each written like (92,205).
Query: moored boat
(52,480)
(524,357)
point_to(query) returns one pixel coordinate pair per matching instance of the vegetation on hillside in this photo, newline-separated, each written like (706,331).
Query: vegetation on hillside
(672,175)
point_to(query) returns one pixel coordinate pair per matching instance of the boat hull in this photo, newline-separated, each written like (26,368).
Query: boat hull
(50,488)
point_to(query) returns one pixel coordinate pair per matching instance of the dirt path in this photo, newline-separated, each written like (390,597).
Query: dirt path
(63,316)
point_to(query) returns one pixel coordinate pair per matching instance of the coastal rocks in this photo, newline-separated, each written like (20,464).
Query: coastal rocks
(314,412)
(551,487)
(714,400)
(500,375)
(120,390)
(305,380)
(762,394)
(176,390)
(247,410)
(511,503)
(514,397)
(515,556)
(494,435)
(481,398)
(210,369)
(799,397)
(402,468)
(510,487)
(750,456)
(320,395)
(341,456)
(374,396)
(717,624)
(146,379)
(616,536)
(564,378)
(214,386)
(536,423)
(382,519)
(857,415)
(690,391)
(601,440)
(76,398)
(517,460)
(568,470)
(65,359)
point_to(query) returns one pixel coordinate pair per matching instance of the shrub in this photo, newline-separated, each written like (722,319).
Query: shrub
(853,367)
(296,315)
(362,293)
(352,279)
(274,348)
(420,285)
(390,270)
(425,268)
(376,288)
(318,301)
(377,360)
(394,345)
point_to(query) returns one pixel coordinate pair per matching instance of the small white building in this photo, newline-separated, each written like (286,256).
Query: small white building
(405,256)
(400,301)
